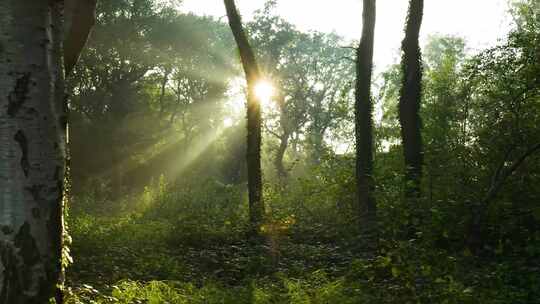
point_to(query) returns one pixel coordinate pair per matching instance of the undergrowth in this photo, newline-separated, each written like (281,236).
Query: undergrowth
(188,244)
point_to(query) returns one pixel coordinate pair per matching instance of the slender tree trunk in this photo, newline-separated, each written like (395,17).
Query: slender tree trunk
(410,99)
(163,88)
(247,56)
(283,141)
(32,149)
(316,136)
(316,141)
(278,161)
(364,126)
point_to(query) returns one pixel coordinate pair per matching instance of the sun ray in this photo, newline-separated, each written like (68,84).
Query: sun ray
(264,90)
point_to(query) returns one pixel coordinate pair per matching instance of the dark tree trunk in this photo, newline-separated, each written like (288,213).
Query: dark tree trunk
(410,99)
(364,126)
(247,56)
(80,17)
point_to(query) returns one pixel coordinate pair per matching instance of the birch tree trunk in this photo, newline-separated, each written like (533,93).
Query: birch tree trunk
(33,122)
(32,149)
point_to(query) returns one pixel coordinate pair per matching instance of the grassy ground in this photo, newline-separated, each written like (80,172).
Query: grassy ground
(173,247)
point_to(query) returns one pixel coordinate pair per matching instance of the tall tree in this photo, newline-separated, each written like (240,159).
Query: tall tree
(504,116)
(83,12)
(410,99)
(272,38)
(33,135)
(308,71)
(251,69)
(364,122)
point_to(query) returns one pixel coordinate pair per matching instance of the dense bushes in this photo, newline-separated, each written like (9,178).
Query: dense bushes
(187,244)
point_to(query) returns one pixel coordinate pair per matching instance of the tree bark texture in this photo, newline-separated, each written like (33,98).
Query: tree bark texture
(364,124)
(247,56)
(32,149)
(410,99)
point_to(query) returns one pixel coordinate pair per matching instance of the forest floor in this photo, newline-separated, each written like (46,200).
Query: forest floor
(200,254)
(109,251)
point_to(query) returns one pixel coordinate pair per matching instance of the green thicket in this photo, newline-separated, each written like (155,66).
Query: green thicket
(159,209)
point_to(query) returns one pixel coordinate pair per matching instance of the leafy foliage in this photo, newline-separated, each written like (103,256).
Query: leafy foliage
(159,209)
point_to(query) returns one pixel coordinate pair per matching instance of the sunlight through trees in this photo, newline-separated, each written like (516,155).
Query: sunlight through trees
(220,159)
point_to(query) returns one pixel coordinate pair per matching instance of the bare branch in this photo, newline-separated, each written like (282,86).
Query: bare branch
(269,130)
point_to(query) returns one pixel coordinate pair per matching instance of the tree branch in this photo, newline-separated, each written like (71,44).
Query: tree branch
(496,187)
(80,17)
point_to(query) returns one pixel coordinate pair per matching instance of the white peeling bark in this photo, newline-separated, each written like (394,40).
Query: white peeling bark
(32,149)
